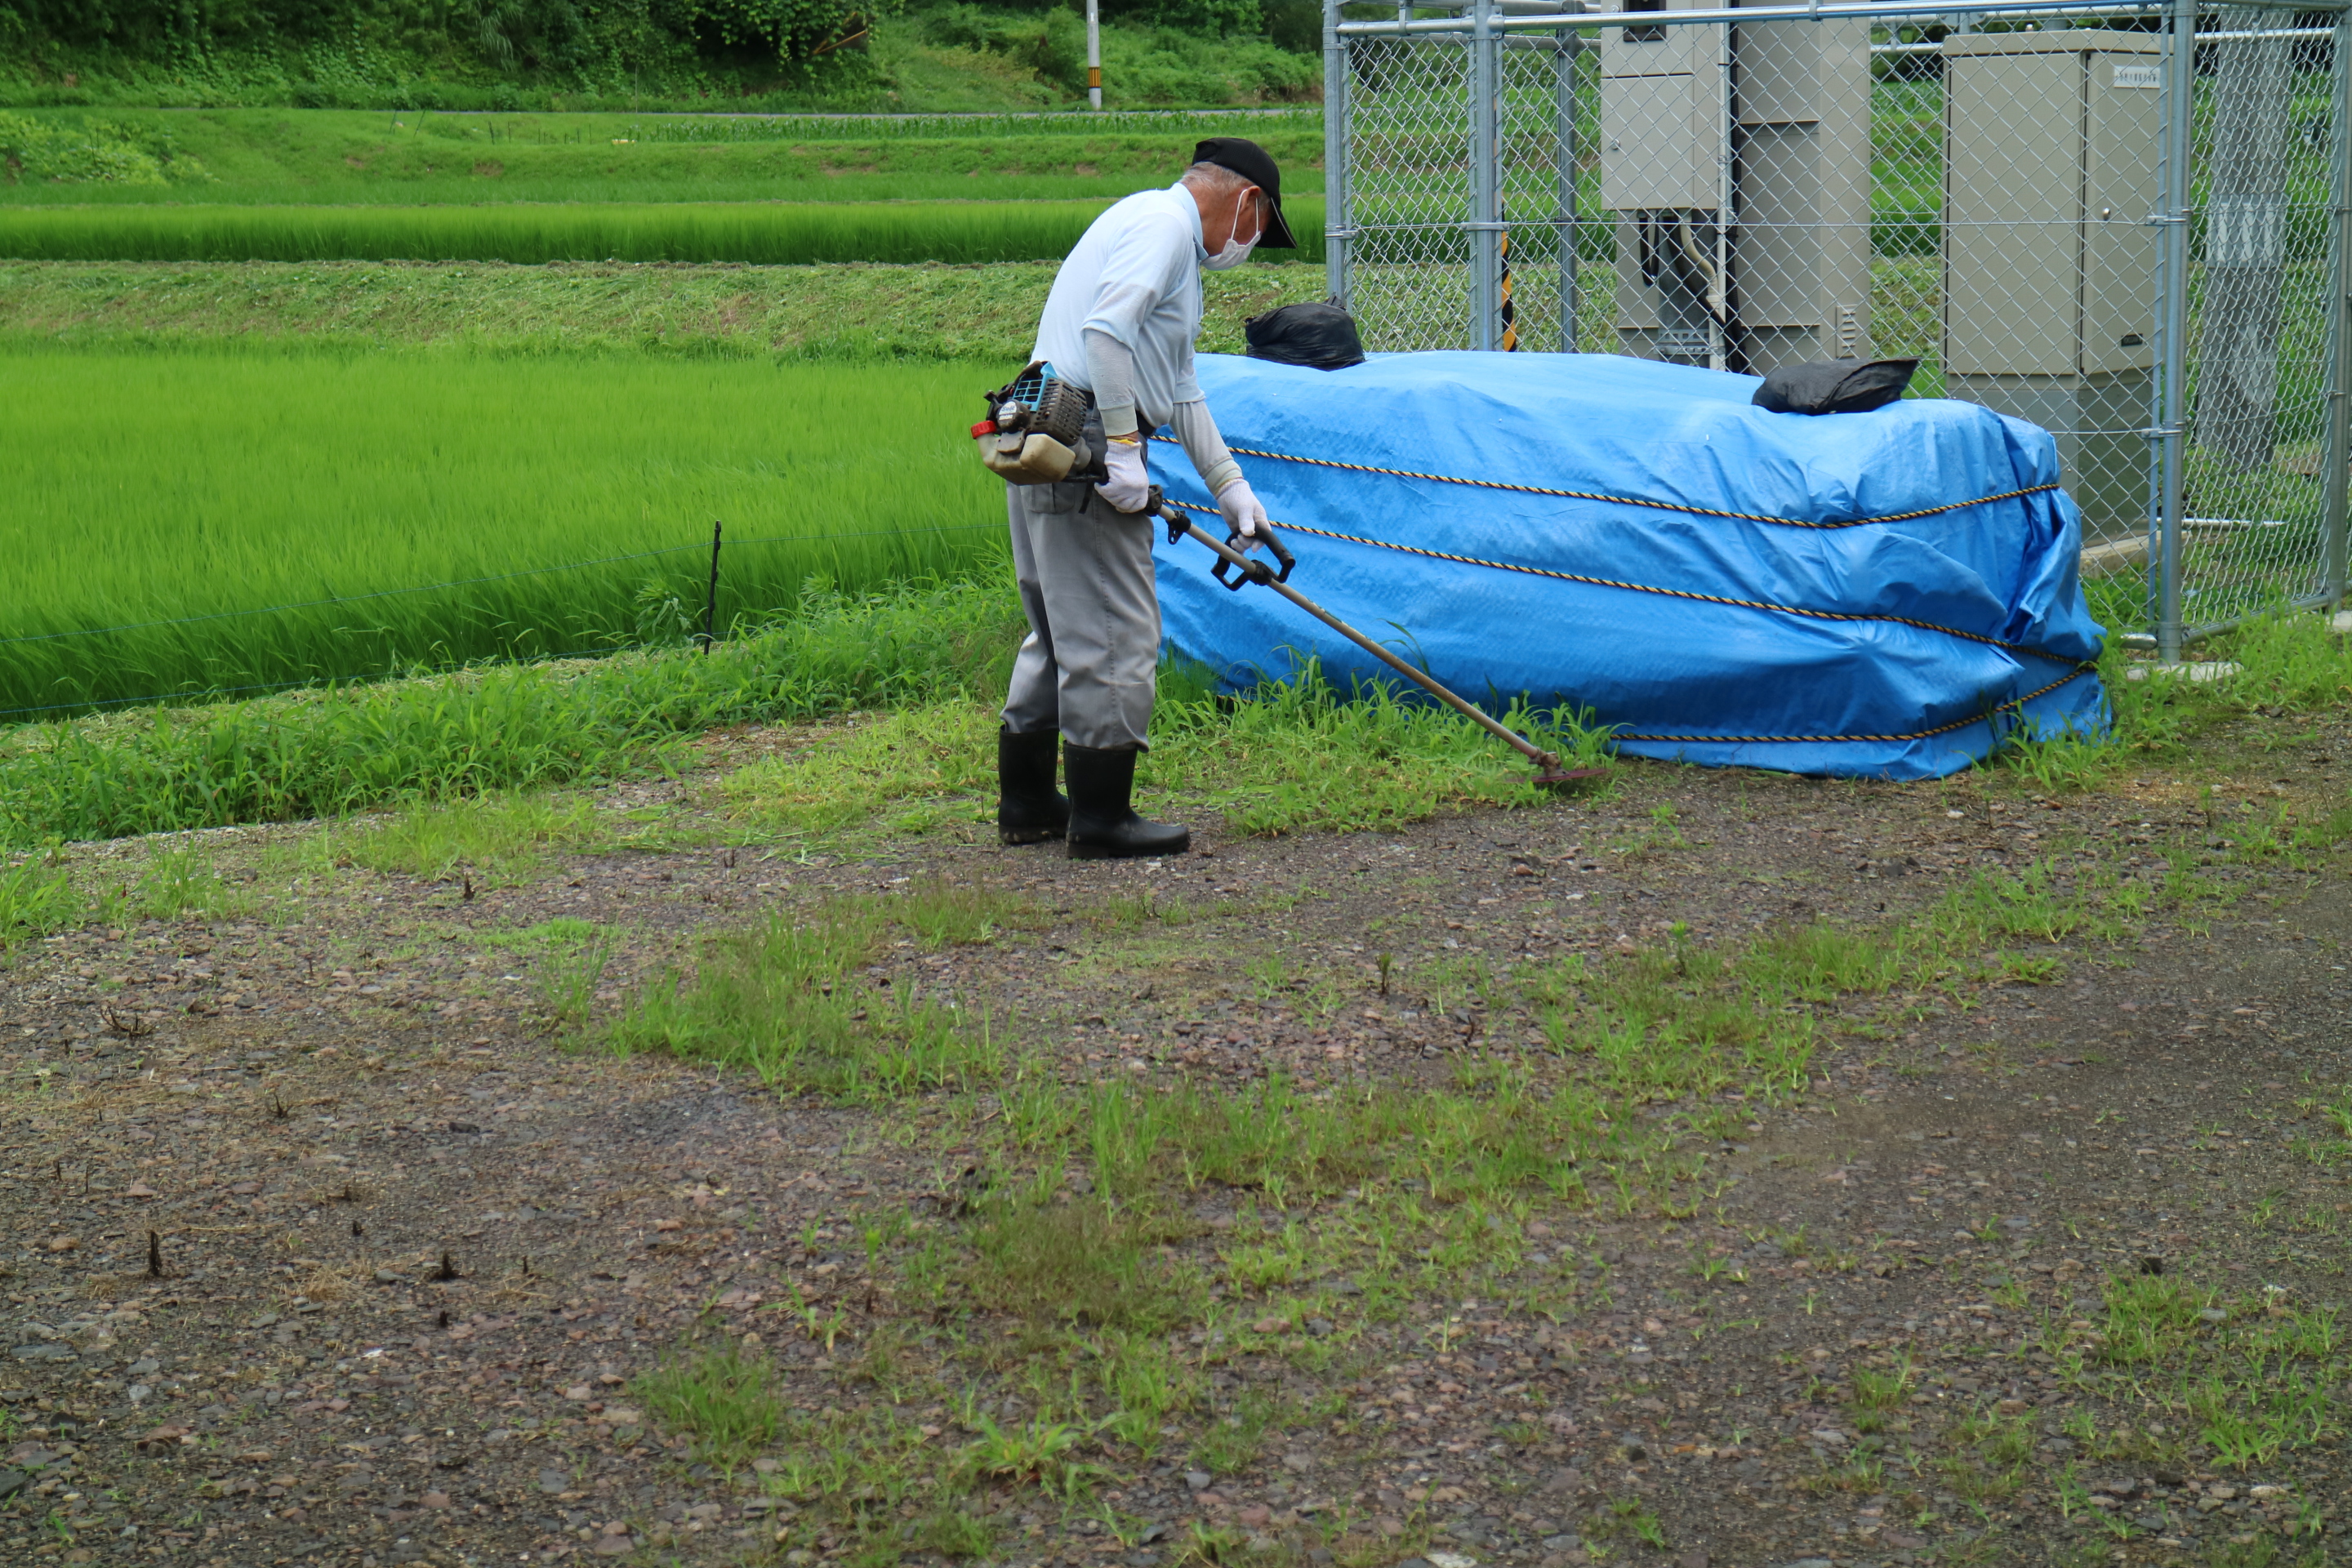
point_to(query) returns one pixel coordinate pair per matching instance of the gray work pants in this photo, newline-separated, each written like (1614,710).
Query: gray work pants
(1089,662)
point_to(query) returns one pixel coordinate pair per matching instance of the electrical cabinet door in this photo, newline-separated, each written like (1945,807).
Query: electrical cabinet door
(2012,214)
(1659,142)
(2123,122)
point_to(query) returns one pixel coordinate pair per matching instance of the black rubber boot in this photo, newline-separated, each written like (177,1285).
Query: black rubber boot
(1029,810)
(1103,827)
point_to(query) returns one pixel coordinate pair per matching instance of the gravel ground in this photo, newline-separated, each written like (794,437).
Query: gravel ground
(326,1245)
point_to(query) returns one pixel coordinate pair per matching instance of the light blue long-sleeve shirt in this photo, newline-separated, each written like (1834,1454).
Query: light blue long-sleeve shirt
(1135,275)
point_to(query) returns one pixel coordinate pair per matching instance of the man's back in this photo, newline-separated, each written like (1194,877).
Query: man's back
(1135,275)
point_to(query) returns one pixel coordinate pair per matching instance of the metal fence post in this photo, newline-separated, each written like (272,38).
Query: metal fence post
(1486,182)
(1335,156)
(2336,451)
(1565,153)
(2172,323)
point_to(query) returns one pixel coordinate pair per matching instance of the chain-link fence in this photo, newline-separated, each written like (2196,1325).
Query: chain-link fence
(2122,222)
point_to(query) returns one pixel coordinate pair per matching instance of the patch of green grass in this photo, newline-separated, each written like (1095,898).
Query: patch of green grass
(2289,662)
(1039,1452)
(1291,758)
(2038,902)
(963,914)
(863,1474)
(951,1532)
(2151,1318)
(183,880)
(1233,1439)
(2265,1552)
(1147,1385)
(1621,1516)
(903,764)
(569,974)
(503,838)
(37,899)
(787,1001)
(1821,963)
(1073,1259)
(248,156)
(1303,754)
(720,1398)
(1882,1391)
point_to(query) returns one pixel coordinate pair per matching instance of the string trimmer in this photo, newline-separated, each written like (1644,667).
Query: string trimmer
(1237,571)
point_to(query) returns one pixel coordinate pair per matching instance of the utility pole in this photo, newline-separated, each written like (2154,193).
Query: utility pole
(1094,54)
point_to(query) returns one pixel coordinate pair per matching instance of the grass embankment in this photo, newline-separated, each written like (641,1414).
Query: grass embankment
(770,232)
(857,312)
(279,157)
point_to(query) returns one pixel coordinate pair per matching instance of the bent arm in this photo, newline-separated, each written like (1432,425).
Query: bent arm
(1198,433)
(1110,365)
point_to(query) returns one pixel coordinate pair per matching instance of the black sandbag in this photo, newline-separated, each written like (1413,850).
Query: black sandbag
(1835,386)
(1320,336)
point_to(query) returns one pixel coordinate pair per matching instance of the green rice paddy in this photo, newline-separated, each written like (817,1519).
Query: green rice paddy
(240,509)
(263,517)
(772,233)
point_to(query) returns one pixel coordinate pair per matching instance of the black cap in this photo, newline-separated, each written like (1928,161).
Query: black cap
(1256,165)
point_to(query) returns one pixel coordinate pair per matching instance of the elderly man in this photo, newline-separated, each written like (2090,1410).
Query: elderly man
(1120,324)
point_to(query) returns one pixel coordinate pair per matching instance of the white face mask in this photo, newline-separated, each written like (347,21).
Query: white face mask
(1236,251)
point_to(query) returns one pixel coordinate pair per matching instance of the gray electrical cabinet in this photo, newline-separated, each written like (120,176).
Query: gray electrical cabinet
(1802,267)
(2050,177)
(1737,162)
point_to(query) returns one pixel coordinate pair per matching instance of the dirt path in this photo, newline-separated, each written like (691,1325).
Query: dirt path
(2040,1266)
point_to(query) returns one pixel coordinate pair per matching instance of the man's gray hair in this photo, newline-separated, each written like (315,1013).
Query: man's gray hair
(1215,179)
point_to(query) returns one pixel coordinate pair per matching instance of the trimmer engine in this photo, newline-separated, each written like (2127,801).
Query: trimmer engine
(1031,436)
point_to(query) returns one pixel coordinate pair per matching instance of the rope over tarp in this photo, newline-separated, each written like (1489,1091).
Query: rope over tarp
(2015,705)
(1640,500)
(1645,587)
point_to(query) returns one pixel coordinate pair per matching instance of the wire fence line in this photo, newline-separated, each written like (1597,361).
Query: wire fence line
(323,684)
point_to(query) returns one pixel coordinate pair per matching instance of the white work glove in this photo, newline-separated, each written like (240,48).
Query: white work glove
(1130,485)
(1243,512)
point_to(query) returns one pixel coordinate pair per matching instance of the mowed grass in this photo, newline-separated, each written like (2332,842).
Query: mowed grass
(176,492)
(863,312)
(771,233)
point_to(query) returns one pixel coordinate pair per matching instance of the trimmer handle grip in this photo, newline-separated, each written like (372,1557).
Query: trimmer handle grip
(1250,571)
(1253,571)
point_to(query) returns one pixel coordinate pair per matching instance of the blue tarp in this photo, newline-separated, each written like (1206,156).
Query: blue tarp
(1884,594)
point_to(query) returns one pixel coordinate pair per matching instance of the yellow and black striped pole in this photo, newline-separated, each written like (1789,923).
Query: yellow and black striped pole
(1510,313)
